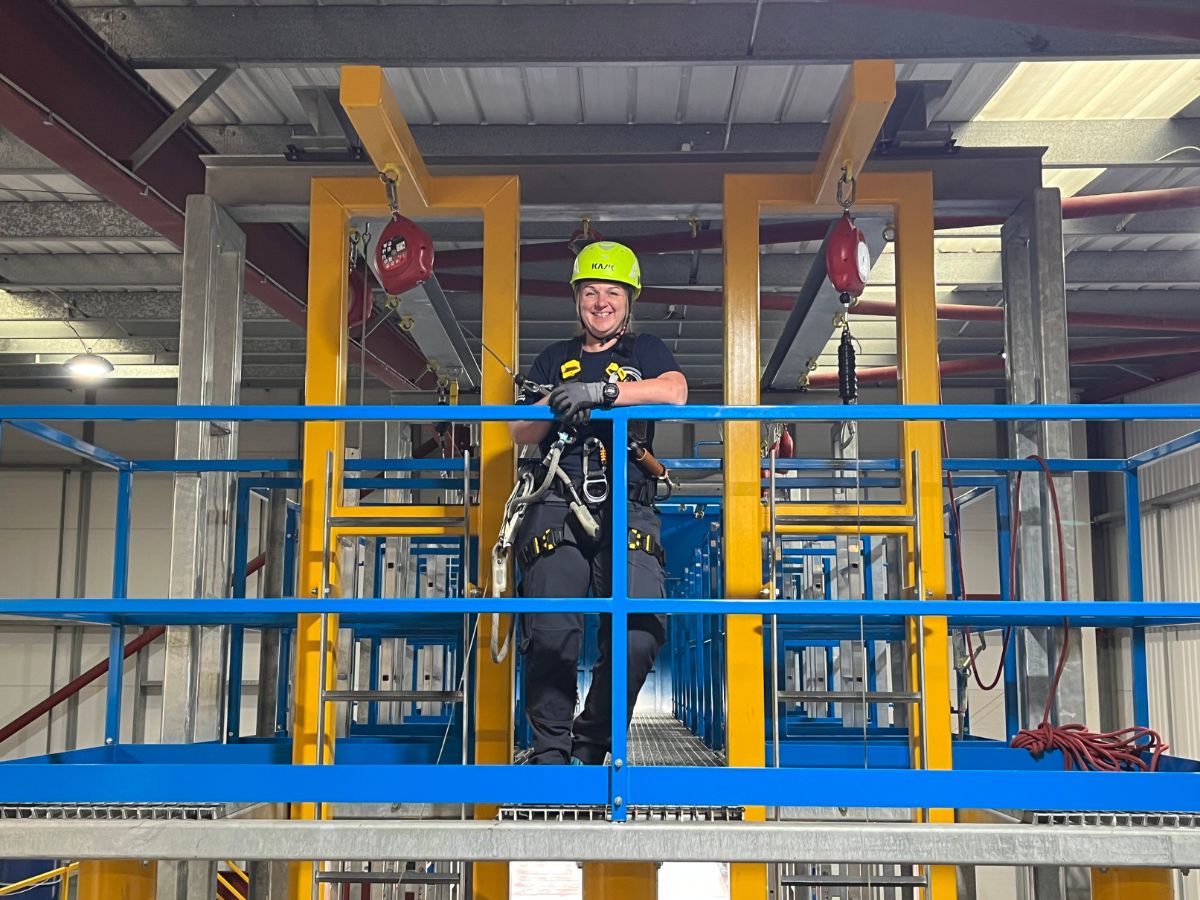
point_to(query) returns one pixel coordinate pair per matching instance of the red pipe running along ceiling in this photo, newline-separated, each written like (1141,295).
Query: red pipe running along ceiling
(961,312)
(1150,349)
(65,95)
(1078,207)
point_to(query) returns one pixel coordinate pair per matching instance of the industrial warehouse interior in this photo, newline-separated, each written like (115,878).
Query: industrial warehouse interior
(375,373)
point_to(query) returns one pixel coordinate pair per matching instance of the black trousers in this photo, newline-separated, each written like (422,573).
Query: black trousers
(551,641)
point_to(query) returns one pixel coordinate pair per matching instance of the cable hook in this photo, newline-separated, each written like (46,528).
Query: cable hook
(847,189)
(390,179)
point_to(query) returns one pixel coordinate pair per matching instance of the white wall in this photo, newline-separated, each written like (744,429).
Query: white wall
(33,504)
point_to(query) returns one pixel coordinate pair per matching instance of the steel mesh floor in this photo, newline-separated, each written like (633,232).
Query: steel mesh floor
(122,811)
(1120,819)
(659,740)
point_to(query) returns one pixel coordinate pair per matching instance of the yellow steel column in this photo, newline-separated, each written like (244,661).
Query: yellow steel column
(920,382)
(497,462)
(325,383)
(745,728)
(126,879)
(376,115)
(1133,884)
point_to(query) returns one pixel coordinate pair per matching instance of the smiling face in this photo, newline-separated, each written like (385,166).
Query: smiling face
(603,308)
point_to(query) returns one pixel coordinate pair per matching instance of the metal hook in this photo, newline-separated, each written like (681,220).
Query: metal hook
(585,226)
(390,177)
(846,181)
(694,224)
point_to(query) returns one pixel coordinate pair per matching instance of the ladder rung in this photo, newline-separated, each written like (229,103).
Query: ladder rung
(850,697)
(848,880)
(395,696)
(349,523)
(848,519)
(388,877)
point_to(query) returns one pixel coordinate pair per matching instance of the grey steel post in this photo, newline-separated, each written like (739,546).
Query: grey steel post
(210,355)
(897,654)
(83,530)
(273,586)
(1037,371)
(852,666)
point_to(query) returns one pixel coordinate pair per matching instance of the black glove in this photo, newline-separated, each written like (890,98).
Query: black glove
(573,401)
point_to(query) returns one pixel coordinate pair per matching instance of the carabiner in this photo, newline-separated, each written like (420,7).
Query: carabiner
(595,481)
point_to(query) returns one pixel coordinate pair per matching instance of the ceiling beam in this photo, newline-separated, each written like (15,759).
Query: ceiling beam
(550,35)
(1077,143)
(1097,143)
(972,181)
(448,144)
(1154,20)
(69,98)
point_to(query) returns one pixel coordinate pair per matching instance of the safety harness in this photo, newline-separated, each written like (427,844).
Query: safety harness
(535,482)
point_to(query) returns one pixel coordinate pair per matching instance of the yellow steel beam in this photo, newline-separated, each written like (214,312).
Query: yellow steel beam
(620,881)
(743,547)
(497,466)
(408,513)
(395,531)
(911,195)
(324,383)
(377,118)
(850,529)
(863,103)
(844,510)
(1133,884)
(117,880)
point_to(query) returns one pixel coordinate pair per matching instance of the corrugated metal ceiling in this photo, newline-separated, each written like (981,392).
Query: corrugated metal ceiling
(698,94)
(566,95)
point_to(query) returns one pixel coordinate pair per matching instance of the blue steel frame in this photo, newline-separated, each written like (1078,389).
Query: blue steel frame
(371,771)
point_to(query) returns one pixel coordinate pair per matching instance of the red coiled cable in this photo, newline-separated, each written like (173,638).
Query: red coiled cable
(1108,751)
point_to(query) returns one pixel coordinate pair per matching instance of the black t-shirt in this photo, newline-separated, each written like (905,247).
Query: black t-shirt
(634,358)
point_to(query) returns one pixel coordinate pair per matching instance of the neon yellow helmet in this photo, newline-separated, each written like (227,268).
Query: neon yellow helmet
(608,261)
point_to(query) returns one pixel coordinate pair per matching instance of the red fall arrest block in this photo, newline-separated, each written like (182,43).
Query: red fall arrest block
(847,259)
(403,256)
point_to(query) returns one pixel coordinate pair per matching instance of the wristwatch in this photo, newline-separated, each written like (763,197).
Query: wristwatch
(609,393)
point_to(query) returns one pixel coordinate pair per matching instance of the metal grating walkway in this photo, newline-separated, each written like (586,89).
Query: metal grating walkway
(115,811)
(658,740)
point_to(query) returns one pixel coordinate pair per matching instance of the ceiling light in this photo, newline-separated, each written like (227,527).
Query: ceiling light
(89,366)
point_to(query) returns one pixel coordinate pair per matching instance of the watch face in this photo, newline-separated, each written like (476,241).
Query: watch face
(863,260)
